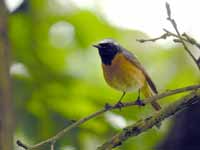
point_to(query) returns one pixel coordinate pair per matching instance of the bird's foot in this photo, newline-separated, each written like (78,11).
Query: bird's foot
(119,105)
(139,102)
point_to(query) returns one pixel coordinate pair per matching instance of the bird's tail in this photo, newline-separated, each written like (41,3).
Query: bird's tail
(147,92)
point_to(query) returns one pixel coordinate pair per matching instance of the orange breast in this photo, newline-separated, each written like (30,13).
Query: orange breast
(123,75)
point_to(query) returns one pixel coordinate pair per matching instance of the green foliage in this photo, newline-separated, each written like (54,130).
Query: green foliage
(60,82)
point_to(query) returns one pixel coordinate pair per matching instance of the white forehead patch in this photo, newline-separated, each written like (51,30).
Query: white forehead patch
(108,41)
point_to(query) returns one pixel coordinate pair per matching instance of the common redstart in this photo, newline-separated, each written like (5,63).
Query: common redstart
(123,72)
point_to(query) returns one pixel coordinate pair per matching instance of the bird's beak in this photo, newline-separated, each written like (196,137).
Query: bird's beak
(97,46)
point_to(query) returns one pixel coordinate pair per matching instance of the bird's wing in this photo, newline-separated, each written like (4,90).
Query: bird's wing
(135,61)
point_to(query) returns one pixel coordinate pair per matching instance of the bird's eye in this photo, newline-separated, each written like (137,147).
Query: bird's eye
(105,45)
(102,44)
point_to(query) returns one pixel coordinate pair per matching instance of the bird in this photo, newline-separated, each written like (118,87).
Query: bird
(123,71)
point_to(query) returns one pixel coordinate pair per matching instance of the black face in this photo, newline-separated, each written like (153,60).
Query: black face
(107,51)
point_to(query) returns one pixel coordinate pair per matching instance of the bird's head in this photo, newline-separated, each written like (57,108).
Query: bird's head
(107,48)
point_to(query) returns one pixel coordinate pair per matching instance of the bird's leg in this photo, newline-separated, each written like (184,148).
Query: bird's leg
(119,104)
(122,97)
(138,100)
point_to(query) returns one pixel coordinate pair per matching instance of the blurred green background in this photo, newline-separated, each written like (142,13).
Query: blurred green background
(57,76)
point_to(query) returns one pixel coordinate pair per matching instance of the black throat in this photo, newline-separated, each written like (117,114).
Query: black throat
(107,57)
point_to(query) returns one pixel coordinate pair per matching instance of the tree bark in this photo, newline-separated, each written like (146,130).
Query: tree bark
(6,119)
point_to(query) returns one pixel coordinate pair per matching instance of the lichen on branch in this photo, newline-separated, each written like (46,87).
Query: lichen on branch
(147,123)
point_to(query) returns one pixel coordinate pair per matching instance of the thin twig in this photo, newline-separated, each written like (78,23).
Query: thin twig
(173,22)
(164,36)
(179,38)
(174,35)
(107,108)
(147,123)
(167,34)
(191,40)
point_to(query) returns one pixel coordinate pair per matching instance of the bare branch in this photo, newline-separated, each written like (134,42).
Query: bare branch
(179,35)
(179,38)
(191,40)
(107,108)
(168,10)
(164,36)
(185,37)
(147,123)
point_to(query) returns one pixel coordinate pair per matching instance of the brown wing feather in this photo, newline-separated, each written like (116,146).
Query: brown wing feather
(135,61)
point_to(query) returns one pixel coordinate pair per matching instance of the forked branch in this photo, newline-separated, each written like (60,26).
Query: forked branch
(178,37)
(147,123)
(52,140)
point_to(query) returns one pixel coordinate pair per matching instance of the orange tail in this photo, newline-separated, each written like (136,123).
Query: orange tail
(147,92)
